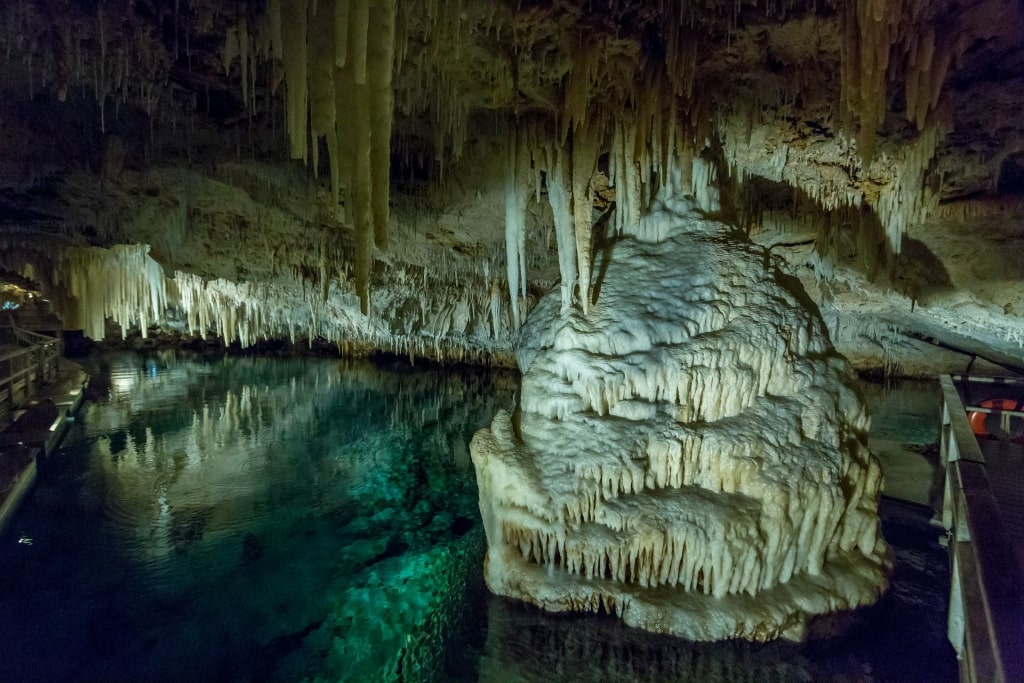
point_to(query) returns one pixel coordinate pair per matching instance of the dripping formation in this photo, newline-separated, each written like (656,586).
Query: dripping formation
(697,464)
(338,60)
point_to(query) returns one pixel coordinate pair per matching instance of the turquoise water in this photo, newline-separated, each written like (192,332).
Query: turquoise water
(907,412)
(287,520)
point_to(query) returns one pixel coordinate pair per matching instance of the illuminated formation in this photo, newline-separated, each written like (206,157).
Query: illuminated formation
(338,60)
(691,456)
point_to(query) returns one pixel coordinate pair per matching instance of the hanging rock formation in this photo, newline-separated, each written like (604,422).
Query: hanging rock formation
(691,456)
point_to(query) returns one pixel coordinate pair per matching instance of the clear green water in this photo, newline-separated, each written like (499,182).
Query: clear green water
(288,520)
(907,412)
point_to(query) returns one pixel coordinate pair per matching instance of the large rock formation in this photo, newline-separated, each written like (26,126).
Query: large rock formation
(691,456)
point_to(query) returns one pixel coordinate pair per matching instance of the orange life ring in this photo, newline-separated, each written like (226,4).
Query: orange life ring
(993,425)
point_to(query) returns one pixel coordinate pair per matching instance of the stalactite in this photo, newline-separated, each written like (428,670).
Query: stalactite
(625,176)
(380,61)
(341,14)
(361,210)
(244,55)
(559,196)
(586,142)
(273,29)
(359,19)
(294,49)
(580,80)
(321,80)
(517,196)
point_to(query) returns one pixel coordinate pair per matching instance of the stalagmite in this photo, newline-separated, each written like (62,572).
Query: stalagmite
(698,459)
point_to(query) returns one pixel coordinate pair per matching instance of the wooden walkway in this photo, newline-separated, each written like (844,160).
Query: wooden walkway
(39,393)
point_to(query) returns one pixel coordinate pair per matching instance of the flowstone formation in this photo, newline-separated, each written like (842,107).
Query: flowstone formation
(690,456)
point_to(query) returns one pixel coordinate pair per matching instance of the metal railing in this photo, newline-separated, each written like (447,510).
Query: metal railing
(986,610)
(33,362)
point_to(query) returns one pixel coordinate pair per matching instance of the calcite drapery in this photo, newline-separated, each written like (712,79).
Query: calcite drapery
(690,456)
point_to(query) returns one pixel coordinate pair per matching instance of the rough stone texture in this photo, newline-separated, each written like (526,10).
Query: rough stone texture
(691,456)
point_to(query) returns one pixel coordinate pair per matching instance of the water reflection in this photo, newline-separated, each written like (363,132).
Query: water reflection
(288,520)
(250,518)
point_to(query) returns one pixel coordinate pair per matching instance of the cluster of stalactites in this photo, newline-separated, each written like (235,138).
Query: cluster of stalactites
(338,61)
(88,285)
(649,146)
(118,60)
(886,41)
(123,283)
(840,214)
(569,171)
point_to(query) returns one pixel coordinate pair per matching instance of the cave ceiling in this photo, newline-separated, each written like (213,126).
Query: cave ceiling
(903,118)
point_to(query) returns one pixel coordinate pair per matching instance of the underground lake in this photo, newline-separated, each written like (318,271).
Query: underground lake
(258,519)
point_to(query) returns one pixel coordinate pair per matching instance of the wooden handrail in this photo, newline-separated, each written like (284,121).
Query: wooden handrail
(21,367)
(985,379)
(986,623)
(30,337)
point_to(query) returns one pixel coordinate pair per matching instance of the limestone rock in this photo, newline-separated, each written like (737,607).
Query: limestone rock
(691,456)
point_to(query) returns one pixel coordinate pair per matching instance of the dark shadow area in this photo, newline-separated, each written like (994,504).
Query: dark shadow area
(849,235)
(919,273)
(1011,175)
